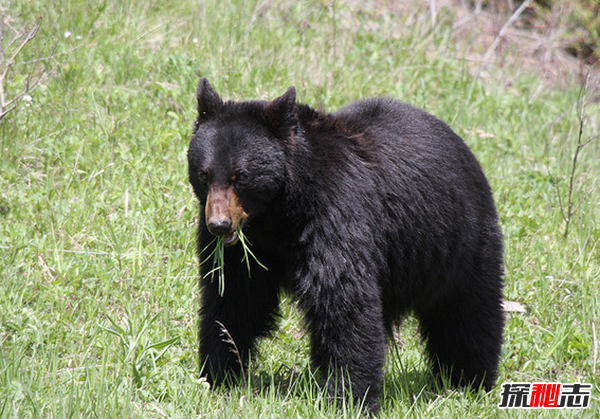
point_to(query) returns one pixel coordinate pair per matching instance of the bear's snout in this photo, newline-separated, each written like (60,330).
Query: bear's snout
(224,214)
(219,227)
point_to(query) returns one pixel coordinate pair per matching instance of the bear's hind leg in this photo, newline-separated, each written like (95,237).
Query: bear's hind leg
(464,335)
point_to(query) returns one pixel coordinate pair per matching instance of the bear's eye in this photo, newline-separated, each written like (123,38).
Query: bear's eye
(203,176)
(238,176)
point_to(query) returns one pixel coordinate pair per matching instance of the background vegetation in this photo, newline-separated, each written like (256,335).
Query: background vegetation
(98,276)
(577,23)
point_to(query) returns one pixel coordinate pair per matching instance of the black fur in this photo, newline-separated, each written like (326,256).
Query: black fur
(363,216)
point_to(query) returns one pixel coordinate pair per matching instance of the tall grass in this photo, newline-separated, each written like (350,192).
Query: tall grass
(217,257)
(98,272)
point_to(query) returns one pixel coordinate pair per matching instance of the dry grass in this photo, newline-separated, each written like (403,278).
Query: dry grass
(500,40)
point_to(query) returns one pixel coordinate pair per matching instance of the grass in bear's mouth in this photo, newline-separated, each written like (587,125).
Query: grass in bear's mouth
(218,258)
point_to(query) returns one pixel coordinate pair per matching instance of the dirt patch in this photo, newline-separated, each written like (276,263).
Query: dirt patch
(509,37)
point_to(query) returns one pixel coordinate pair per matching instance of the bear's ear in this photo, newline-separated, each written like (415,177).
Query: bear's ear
(279,113)
(209,101)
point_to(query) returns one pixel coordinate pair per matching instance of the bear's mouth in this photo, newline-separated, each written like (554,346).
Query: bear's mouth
(231,239)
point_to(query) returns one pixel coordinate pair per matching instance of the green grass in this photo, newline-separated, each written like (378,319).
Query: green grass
(98,272)
(217,257)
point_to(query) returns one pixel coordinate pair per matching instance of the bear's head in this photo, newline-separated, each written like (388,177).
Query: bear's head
(237,157)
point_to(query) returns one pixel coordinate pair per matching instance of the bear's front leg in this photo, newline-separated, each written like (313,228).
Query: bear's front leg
(231,323)
(344,314)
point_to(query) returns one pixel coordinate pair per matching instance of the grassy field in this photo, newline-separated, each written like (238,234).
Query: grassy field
(98,276)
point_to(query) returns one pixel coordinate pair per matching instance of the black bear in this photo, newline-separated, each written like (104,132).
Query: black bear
(362,216)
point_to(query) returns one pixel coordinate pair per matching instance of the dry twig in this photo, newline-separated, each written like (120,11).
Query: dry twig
(511,20)
(228,339)
(569,208)
(12,43)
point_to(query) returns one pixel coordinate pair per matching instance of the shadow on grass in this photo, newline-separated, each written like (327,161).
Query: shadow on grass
(417,386)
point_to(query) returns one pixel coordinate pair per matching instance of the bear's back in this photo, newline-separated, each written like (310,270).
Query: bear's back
(397,121)
(426,172)
(409,139)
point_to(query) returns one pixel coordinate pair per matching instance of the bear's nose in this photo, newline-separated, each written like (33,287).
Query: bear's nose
(219,227)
